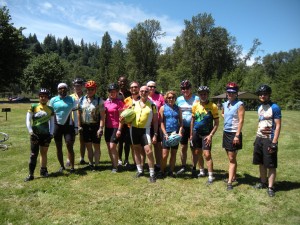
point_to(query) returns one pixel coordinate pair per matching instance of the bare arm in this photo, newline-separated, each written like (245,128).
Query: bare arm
(277,130)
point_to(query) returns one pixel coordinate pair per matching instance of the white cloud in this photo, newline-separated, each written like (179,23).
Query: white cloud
(87,20)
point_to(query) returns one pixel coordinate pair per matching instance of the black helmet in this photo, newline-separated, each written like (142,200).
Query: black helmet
(203,88)
(232,87)
(78,80)
(44,91)
(113,86)
(264,88)
(185,84)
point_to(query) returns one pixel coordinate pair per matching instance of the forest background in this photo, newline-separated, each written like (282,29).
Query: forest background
(203,53)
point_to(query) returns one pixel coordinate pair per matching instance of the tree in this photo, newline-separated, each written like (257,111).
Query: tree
(105,58)
(143,50)
(207,49)
(117,64)
(13,57)
(44,71)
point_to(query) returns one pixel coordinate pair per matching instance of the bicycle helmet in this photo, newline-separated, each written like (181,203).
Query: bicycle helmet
(185,84)
(44,91)
(90,84)
(78,80)
(203,88)
(113,86)
(173,140)
(232,87)
(264,88)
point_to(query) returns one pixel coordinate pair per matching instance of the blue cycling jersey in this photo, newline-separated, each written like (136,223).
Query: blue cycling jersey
(63,108)
(186,108)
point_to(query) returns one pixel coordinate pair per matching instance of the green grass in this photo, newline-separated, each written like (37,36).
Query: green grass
(105,198)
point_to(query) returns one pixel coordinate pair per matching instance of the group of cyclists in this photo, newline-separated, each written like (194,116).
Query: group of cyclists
(157,118)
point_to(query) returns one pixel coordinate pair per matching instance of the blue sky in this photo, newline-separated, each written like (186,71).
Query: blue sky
(274,22)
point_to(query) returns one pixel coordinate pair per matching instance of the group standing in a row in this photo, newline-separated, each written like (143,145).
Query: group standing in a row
(157,119)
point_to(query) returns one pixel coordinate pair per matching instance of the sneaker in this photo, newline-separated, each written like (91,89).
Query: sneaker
(91,167)
(156,168)
(29,178)
(210,180)
(120,162)
(61,169)
(152,179)
(138,174)
(171,174)
(194,174)
(271,192)
(82,162)
(114,170)
(72,170)
(68,163)
(44,173)
(201,174)
(260,185)
(229,187)
(181,171)
(160,175)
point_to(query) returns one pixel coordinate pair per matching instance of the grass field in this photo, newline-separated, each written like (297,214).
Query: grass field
(105,198)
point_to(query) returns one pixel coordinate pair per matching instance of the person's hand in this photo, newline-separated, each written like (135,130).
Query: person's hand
(76,130)
(273,147)
(154,139)
(118,134)
(207,140)
(80,129)
(236,140)
(166,136)
(100,132)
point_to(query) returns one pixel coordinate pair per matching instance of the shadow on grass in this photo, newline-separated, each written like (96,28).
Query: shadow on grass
(286,185)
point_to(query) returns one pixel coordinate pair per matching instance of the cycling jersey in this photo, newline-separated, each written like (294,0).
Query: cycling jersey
(41,115)
(129,101)
(204,116)
(90,110)
(231,119)
(63,108)
(143,116)
(186,108)
(112,111)
(171,118)
(266,115)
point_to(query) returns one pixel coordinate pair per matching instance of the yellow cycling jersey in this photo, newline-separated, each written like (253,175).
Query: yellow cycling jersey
(143,115)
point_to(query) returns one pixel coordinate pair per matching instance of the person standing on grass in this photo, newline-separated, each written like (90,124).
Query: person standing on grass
(113,127)
(64,107)
(266,142)
(146,114)
(185,103)
(204,124)
(128,102)
(171,121)
(159,101)
(233,112)
(91,122)
(40,125)
(78,84)
(123,140)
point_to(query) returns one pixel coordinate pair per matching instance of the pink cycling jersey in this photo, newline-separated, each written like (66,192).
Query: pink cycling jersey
(112,112)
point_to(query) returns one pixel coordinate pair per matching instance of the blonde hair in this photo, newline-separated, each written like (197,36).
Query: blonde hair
(172,93)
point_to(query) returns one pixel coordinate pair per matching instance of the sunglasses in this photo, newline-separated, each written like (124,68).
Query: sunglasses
(151,86)
(170,98)
(184,88)
(144,91)
(263,93)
